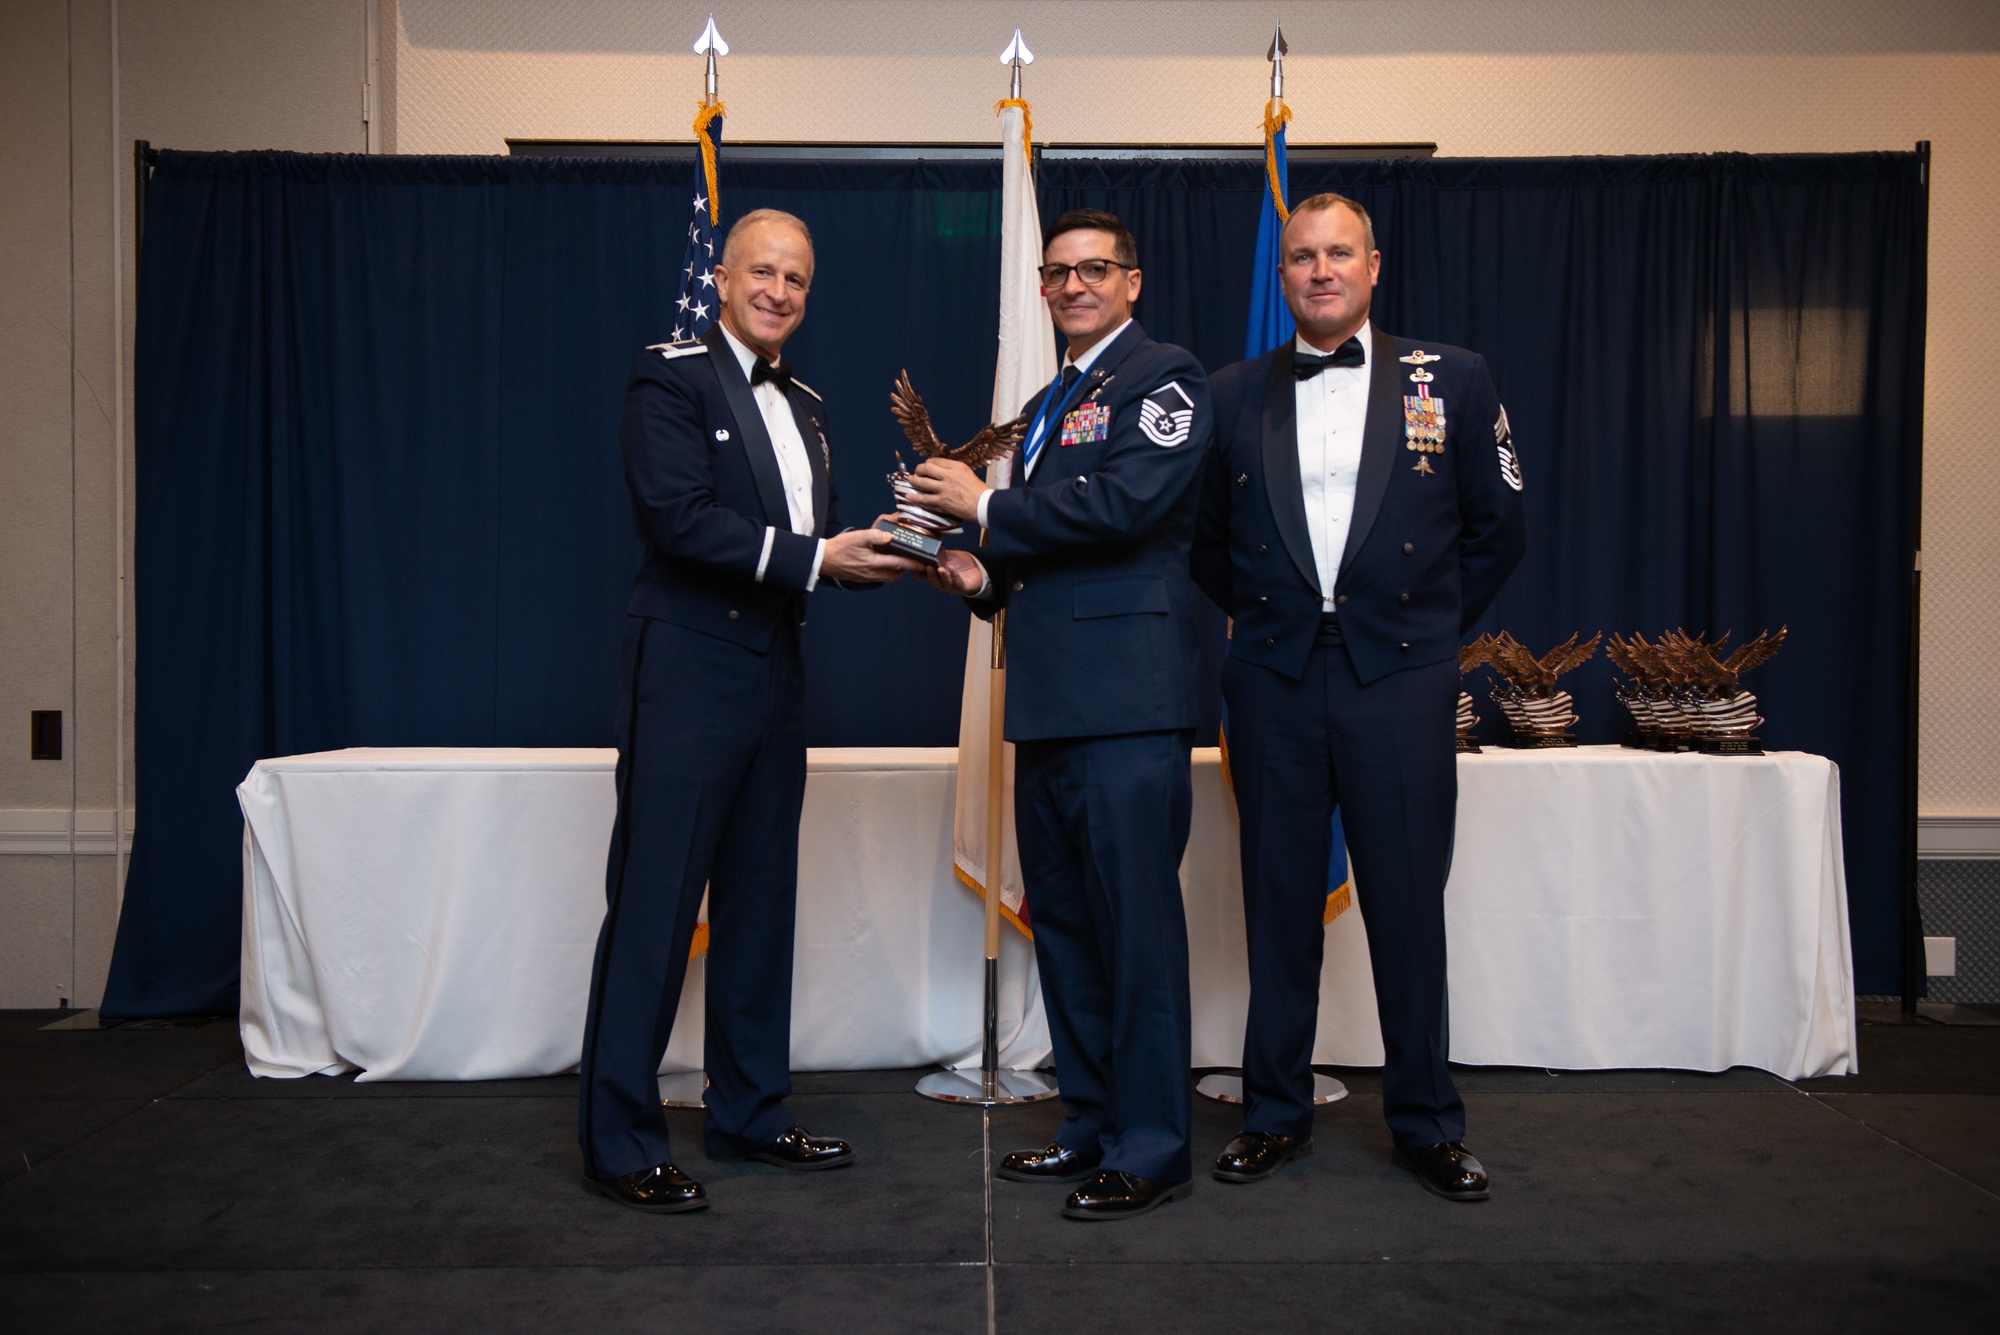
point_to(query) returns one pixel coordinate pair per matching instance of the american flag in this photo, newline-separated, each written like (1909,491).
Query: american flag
(694,304)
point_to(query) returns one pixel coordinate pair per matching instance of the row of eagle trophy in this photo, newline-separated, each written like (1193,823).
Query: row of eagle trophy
(1682,693)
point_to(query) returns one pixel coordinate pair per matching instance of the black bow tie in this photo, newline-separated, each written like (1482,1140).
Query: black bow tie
(778,373)
(1306,365)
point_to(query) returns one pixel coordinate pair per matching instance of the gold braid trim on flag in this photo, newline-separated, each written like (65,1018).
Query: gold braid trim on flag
(1027,122)
(1005,912)
(702,118)
(1276,114)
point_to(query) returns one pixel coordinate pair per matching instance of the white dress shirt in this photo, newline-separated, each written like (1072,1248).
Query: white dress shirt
(1332,410)
(794,464)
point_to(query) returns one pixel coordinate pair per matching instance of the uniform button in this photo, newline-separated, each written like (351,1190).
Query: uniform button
(1263,597)
(1270,644)
(1404,645)
(1341,601)
(1403,598)
(1409,547)
(1262,548)
(1242,479)
(734,615)
(1018,586)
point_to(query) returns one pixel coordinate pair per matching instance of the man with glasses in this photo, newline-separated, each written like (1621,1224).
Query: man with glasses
(1087,554)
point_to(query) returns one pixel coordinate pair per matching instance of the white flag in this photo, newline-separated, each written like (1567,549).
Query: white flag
(1027,364)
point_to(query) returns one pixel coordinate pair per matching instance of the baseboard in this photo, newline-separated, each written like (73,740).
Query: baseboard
(34,830)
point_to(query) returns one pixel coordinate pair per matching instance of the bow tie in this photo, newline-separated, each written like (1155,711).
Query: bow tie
(1306,365)
(778,373)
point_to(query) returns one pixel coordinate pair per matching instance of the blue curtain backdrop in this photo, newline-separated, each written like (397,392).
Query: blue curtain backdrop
(380,500)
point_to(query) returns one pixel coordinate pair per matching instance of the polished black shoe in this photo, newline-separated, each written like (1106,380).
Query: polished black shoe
(1057,1163)
(1255,1155)
(661,1190)
(797,1149)
(1114,1195)
(1445,1169)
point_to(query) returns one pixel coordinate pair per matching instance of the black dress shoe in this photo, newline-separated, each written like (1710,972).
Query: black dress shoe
(797,1149)
(661,1190)
(1445,1169)
(1255,1155)
(1057,1163)
(1114,1195)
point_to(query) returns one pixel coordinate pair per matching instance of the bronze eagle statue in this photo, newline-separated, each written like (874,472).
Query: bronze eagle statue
(994,441)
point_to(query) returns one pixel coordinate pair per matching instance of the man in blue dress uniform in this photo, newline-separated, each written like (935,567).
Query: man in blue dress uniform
(1361,509)
(727,458)
(1088,556)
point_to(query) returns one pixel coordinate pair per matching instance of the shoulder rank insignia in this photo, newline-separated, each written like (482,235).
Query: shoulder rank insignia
(1503,440)
(1166,416)
(673,350)
(1086,424)
(1421,358)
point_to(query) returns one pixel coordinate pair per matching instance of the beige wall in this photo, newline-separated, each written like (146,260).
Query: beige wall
(79,81)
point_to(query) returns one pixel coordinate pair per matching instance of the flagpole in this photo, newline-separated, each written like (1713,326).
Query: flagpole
(995,1087)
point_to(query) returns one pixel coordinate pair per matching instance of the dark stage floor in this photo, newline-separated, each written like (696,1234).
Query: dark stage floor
(147,1182)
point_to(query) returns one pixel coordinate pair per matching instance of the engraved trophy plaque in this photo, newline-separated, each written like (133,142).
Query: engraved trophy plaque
(1476,654)
(1538,715)
(915,531)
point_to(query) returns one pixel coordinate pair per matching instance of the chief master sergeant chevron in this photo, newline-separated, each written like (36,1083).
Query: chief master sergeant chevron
(1361,510)
(1088,557)
(728,462)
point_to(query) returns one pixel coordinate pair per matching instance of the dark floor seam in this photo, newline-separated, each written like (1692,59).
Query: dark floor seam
(1908,1149)
(120,1119)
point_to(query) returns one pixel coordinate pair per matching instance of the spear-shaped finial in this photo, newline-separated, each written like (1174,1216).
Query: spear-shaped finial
(710,44)
(1017,54)
(1276,55)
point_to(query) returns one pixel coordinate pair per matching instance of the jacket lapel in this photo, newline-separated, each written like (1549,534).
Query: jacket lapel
(751,432)
(812,431)
(1282,486)
(1378,443)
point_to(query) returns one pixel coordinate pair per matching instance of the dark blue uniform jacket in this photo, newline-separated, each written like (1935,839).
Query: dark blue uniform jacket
(705,486)
(1089,554)
(1430,542)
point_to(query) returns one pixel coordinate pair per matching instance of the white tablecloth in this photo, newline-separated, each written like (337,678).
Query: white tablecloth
(430,914)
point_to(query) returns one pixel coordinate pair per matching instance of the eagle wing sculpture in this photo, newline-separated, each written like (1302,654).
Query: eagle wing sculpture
(1479,652)
(994,441)
(1569,654)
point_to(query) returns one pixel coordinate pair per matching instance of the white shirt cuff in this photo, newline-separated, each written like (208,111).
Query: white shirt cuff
(819,554)
(984,497)
(771,536)
(985,579)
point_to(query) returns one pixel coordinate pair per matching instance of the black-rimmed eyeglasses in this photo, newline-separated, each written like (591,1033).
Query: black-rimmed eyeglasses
(1092,272)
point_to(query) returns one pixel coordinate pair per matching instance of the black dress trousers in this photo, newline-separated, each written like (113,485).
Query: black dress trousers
(711,778)
(1385,752)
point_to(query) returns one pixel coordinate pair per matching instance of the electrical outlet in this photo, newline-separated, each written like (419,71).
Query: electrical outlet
(45,734)
(1941,956)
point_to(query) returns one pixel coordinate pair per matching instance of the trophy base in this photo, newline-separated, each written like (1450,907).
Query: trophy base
(1539,741)
(1638,741)
(1468,746)
(909,542)
(1729,746)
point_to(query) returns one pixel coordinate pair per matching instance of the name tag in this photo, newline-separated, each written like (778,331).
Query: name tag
(1091,422)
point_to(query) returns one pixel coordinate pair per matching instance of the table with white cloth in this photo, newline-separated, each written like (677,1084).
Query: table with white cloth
(431,914)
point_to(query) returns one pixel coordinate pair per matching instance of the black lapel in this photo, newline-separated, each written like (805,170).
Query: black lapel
(1379,437)
(1282,486)
(750,428)
(1100,371)
(811,419)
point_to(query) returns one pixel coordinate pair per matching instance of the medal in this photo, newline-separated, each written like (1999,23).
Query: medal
(1423,423)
